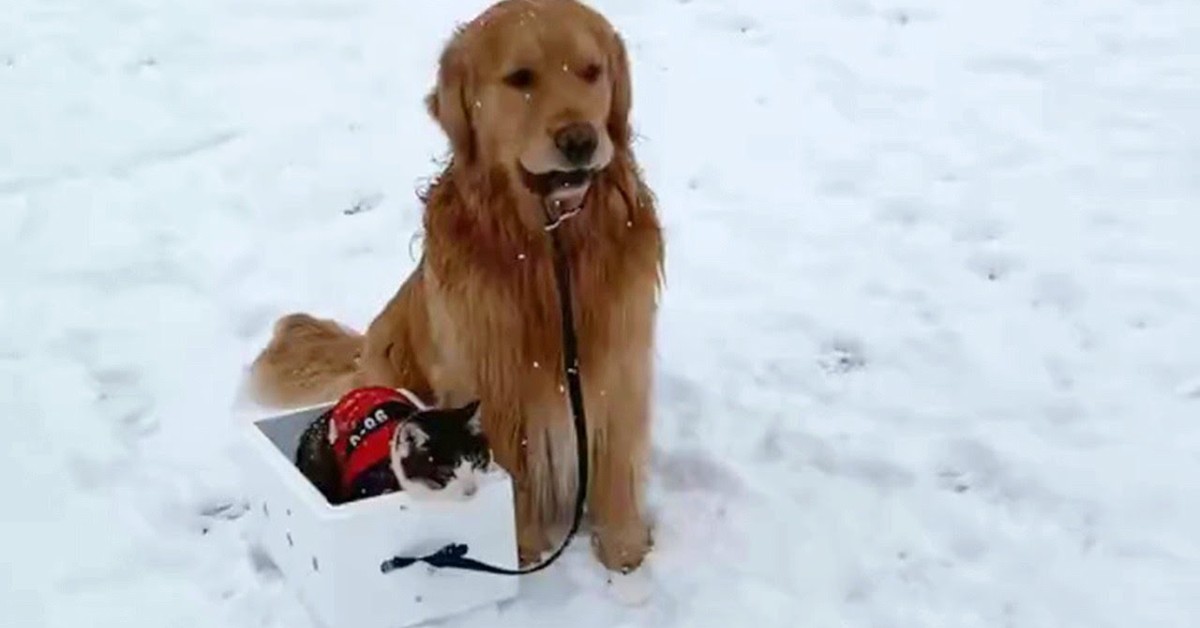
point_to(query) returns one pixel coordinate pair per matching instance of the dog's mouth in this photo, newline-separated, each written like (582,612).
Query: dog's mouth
(564,190)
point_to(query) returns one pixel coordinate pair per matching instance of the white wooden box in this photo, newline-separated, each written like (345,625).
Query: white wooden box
(331,555)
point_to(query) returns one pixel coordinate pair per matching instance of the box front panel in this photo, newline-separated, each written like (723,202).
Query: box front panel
(414,528)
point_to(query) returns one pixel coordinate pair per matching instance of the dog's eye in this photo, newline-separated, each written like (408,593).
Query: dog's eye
(520,79)
(591,72)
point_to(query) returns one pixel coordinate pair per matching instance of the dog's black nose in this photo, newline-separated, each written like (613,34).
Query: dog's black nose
(576,142)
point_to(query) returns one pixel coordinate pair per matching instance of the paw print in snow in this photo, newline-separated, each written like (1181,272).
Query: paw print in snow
(991,266)
(898,16)
(842,356)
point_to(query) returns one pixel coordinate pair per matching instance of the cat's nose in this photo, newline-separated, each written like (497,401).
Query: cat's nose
(470,489)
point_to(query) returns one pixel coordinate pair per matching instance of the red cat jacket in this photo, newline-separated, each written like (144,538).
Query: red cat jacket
(361,430)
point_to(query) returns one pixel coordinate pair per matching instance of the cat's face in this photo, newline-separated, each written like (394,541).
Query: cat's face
(441,452)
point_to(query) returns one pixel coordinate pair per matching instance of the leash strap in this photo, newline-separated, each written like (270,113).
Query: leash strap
(454,555)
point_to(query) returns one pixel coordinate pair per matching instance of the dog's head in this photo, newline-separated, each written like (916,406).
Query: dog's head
(538,89)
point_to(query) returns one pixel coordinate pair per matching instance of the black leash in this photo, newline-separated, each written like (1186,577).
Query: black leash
(454,555)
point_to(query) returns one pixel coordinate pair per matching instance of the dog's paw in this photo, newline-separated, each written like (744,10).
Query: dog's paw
(622,549)
(531,545)
(527,557)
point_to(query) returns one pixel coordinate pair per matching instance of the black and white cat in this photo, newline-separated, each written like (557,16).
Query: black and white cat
(441,453)
(377,440)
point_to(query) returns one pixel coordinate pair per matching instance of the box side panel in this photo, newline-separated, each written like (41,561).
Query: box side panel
(288,528)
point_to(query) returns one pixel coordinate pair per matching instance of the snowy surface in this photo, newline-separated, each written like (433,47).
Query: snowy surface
(930,347)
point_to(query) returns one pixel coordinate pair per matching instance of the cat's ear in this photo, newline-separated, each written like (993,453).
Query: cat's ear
(474,418)
(413,435)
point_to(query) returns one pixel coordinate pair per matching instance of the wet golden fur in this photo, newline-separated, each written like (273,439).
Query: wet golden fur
(479,316)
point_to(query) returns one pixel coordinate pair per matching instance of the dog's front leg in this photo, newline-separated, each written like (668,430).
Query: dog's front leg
(532,540)
(504,425)
(621,409)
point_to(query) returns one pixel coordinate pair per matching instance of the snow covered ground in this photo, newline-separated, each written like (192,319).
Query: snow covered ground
(930,347)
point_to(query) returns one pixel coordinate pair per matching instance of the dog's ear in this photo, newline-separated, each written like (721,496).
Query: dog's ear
(448,102)
(618,114)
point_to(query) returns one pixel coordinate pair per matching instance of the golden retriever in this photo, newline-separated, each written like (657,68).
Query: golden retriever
(534,98)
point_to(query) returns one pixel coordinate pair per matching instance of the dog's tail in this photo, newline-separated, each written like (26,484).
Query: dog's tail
(308,361)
